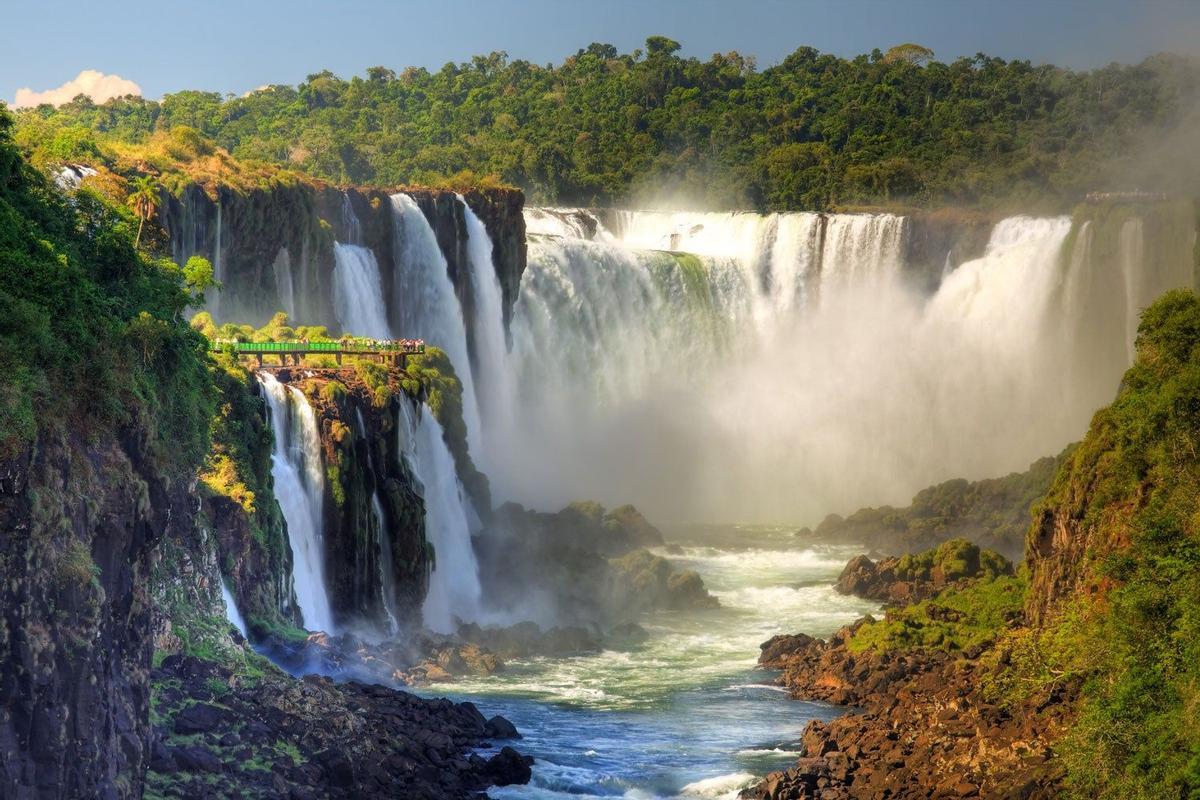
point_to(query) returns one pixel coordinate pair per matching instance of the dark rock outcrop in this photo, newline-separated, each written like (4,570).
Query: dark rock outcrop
(81,520)
(583,565)
(316,738)
(363,463)
(992,513)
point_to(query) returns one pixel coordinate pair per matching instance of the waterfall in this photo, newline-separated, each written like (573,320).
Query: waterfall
(454,590)
(213,296)
(358,292)
(350,221)
(281,267)
(741,366)
(387,577)
(231,610)
(492,372)
(425,305)
(298,472)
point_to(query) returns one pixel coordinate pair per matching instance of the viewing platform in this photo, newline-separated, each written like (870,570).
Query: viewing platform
(393,352)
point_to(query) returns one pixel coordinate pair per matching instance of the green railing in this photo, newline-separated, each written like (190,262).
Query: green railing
(405,346)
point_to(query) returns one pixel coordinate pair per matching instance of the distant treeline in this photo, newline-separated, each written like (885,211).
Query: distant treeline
(815,131)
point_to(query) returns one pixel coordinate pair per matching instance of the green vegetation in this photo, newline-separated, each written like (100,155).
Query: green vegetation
(430,377)
(815,131)
(958,619)
(239,464)
(1134,486)
(91,330)
(953,559)
(1117,614)
(993,512)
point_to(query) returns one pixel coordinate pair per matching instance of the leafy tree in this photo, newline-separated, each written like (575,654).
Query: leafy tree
(198,278)
(144,202)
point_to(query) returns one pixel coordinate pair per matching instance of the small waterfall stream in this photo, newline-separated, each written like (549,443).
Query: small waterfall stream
(358,292)
(297,469)
(231,610)
(454,589)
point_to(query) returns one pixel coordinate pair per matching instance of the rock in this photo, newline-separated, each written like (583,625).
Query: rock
(195,758)
(338,770)
(509,767)
(200,718)
(500,728)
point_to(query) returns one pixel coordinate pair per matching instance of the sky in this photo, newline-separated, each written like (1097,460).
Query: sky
(226,46)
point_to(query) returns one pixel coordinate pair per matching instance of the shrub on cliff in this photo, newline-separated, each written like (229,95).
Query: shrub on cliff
(91,329)
(1122,586)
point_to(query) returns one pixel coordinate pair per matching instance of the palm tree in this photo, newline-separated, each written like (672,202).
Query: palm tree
(144,202)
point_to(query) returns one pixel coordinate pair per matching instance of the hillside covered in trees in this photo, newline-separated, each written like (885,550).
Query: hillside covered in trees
(813,132)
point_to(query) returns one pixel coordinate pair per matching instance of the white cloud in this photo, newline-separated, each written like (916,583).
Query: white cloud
(94,84)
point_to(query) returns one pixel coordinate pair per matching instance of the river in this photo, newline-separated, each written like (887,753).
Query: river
(685,713)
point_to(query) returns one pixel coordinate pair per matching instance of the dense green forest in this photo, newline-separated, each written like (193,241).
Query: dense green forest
(815,131)
(92,330)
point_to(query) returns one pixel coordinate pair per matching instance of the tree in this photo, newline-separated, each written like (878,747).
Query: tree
(144,202)
(909,52)
(198,277)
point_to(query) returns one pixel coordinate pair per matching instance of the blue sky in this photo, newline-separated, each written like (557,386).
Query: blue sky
(229,46)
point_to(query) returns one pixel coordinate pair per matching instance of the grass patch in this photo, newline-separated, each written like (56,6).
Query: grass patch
(956,620)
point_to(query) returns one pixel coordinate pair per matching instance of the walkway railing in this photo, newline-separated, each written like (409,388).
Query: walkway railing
(393,350)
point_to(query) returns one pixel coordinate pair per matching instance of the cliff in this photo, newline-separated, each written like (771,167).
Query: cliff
(367,577)
(103,423)
(271,244)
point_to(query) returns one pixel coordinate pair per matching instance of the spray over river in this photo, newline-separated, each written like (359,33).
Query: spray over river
(717,366)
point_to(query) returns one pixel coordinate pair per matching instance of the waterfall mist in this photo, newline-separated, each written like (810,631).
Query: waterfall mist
(775,368)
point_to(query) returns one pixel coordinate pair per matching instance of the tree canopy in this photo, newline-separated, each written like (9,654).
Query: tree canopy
(604,127)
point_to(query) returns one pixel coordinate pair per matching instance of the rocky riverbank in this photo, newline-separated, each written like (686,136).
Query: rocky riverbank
(262,734)
(922,727)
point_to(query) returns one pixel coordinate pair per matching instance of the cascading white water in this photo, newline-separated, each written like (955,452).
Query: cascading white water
(640,379)
(281,267)
(454,589)
(358,292)
(493,374)
(213,296)
(350,221)
(231,610)
(387,578)
(298,472)
(425,305)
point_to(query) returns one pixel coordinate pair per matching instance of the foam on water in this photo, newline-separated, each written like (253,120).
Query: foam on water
(686,713)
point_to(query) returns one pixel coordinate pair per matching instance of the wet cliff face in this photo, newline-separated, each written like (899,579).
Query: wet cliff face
(272,248)
(81,521)
(376,557)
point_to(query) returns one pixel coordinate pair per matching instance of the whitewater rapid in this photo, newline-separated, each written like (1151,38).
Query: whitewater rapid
(684,714)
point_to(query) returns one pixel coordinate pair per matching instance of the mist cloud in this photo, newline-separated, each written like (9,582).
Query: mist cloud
(93,83)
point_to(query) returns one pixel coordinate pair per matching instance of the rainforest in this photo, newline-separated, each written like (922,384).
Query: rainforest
(636,425)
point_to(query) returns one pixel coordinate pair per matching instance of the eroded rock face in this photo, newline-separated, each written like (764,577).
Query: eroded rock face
(274,245)
(363,464)
(80,522)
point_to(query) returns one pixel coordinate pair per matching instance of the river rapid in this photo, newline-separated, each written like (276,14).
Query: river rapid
(685,713)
